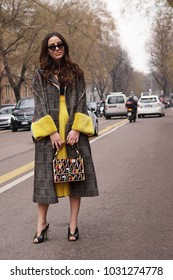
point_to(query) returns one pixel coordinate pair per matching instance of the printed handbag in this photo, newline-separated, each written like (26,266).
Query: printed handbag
(68,170)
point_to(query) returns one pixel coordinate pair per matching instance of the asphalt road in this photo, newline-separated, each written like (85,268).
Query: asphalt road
(131,219)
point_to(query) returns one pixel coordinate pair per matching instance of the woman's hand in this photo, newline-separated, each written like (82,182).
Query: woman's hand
(73,137)
(56,140)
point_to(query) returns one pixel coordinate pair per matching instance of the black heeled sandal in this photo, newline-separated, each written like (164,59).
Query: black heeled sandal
(73,236)
(42,237)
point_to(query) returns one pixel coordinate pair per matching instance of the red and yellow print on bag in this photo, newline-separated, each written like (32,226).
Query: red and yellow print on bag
(68,170)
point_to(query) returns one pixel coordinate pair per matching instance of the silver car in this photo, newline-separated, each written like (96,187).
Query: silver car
(5,116)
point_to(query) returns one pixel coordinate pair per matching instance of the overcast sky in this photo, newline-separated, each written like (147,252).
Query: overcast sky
(134,32)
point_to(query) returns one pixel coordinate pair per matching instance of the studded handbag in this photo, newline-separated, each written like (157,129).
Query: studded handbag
(68,170)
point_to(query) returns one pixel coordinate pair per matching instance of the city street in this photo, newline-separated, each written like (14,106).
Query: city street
(131,219)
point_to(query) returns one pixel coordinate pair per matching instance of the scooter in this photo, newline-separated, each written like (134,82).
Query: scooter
(101,111)
(131,115)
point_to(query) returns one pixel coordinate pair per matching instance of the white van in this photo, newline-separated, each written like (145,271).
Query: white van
(115,105)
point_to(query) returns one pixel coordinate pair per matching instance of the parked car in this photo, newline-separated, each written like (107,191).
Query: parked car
(115,105)
(150,105)
(5,116)
(22,114)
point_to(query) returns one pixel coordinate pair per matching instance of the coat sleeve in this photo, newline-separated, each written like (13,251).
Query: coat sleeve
(82,122)
(43,124)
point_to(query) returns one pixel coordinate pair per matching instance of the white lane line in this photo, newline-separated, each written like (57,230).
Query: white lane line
(16,182)
(25,177)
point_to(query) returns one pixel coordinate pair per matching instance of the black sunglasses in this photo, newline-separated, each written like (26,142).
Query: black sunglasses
(53,47)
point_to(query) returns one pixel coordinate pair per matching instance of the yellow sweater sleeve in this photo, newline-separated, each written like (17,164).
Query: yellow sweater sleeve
(43,127)
(83,124)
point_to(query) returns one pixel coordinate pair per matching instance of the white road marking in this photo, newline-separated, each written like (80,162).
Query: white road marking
(16,182)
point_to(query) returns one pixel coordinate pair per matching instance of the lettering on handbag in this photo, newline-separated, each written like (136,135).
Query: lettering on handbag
(68,170)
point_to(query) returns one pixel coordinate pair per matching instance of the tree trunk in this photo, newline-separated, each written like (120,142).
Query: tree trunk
(17,92)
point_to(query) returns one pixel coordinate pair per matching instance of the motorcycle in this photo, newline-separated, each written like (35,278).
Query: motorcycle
(131,115)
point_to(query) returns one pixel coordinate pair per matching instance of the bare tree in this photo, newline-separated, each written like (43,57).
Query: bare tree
(161,50)
(87,25)
(121,71)
(24,23)
(18,32)
(98,33)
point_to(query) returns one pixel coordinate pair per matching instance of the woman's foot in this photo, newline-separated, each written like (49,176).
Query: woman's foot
(73,236)
(43,235)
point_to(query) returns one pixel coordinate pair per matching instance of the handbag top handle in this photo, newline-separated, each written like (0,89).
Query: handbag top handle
(73,147)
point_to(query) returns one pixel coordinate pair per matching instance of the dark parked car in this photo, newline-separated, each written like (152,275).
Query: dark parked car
(22,114)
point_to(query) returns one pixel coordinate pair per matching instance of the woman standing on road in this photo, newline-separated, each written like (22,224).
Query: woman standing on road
(60,116)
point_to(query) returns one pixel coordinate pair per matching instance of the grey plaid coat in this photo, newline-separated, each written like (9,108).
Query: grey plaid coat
(46,96)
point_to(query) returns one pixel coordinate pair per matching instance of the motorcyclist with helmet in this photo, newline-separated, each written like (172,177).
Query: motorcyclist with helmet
(132,103)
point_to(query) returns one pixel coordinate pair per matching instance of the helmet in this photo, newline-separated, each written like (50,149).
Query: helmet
(131,96)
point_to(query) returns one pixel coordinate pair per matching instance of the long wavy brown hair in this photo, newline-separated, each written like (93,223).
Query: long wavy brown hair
(66,69)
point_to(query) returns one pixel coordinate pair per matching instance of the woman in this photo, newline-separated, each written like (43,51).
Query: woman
(60,117)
